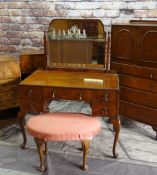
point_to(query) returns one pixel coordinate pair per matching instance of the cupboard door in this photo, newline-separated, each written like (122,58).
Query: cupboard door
(147,46)
(123,44)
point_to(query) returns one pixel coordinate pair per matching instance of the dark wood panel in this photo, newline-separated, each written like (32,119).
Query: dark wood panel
(31,61)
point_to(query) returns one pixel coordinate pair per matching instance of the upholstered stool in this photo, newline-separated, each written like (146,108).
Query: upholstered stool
(63,127)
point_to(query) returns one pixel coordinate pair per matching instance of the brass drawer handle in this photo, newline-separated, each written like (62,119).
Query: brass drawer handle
(30,93)
(105,111)
(151,75)
(53,94)
(32,105)
(106,97)
(14,86)
(80,96)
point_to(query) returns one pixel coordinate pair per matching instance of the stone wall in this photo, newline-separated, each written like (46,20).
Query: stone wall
(22,22)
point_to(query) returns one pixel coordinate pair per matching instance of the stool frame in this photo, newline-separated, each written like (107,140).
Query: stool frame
(41,151)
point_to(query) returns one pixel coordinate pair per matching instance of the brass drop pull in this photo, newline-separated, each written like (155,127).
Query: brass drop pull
(53,94)
(151,75)
(14,86)
(105,111)
(80,96)
(106,97)
(32,105)
(30,92)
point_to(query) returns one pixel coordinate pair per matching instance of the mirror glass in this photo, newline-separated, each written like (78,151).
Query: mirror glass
(75,41)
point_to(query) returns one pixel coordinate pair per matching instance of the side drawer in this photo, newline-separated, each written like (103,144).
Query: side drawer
(30,98)
(67,94)
(138,97)
(107,109)
(105,103)
(104,96)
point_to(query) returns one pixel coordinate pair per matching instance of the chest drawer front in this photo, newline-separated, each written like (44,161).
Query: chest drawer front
(152,117)
(138,83)
(31,98)
(139,113)
(138,97)
(133,111)
(139,71)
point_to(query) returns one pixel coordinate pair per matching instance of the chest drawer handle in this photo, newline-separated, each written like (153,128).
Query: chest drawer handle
(149,101)
(150,87)
(151,75)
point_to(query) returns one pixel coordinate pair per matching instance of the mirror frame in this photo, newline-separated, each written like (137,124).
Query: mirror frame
(79,67)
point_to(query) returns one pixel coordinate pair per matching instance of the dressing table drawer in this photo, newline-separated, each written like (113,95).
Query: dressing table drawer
(105,96)
(67,94)
(31,98)
(107,110)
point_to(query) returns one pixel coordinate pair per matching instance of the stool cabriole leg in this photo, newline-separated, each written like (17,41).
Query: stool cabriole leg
(46,148)
(85,147)
(40,144)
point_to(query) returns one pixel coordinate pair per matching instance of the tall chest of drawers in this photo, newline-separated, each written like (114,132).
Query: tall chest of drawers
(134,57)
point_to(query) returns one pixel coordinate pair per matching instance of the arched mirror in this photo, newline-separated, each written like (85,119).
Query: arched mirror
(75,41)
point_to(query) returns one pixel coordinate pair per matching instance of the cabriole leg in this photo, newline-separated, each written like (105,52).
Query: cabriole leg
(85,147)
(116,126)
(40,144)
(21,121)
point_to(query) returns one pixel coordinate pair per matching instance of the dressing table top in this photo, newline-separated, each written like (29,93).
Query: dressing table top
(73,79)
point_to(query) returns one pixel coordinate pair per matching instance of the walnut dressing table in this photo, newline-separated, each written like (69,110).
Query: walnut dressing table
(99,89)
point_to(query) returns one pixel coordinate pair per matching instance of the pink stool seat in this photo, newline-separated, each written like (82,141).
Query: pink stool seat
(63,126)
